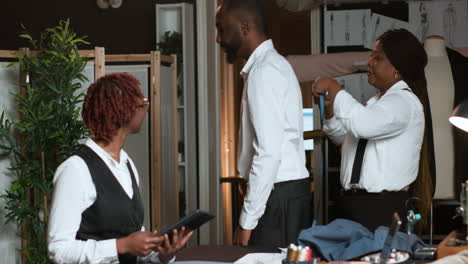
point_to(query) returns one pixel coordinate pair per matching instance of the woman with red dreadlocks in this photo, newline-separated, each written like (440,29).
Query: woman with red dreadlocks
(97,212)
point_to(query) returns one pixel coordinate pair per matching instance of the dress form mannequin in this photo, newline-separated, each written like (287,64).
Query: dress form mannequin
(441,91)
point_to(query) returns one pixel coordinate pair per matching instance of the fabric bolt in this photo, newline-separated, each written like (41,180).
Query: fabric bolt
(344,240)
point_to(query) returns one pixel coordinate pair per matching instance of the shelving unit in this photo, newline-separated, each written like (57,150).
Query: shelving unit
(179,18)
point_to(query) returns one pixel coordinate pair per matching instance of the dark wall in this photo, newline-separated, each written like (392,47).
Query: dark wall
(128,29)
(290,31)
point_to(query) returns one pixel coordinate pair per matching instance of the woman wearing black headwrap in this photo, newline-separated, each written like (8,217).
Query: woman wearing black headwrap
(381,141)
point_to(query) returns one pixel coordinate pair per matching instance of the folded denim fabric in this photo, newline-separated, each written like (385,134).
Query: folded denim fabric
(344,240)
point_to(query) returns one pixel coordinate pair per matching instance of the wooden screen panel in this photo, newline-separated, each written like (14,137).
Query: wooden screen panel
(169,177)
(155,116)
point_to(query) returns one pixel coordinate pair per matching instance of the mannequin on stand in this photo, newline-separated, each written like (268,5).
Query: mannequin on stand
(441,92)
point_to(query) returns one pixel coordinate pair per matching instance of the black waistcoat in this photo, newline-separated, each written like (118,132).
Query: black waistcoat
(113,214)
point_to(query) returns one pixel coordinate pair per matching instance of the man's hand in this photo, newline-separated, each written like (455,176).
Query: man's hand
(328,87)
(242,236)
(138,243)
(168,249)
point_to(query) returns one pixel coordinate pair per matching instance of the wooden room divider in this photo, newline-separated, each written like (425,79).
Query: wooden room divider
(164,186)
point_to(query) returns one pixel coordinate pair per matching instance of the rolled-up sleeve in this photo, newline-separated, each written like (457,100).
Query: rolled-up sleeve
(387,118)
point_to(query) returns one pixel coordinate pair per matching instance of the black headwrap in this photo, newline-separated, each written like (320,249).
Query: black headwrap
(408,56)
(405,53)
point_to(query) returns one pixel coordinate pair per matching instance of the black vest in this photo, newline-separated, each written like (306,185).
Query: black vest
(113,214)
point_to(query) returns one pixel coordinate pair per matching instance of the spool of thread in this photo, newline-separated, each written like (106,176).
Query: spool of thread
(292,253)
(309,254)
(298,254)
(302,256)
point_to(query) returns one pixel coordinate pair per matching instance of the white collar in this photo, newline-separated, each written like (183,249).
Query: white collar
(259,51)
(105,155)
(400,85)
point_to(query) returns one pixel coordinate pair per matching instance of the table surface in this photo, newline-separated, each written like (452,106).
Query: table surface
(231,253)
(217,253)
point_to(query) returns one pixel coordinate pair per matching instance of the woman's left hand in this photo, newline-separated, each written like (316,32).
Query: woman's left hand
(168,249)
(329,88)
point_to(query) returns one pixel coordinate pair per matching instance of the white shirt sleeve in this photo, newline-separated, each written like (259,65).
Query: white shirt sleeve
(264,104)
(387,117)
(335,130)
(74,192)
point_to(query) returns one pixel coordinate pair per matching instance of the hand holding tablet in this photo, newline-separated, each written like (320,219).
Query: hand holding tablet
(191,222)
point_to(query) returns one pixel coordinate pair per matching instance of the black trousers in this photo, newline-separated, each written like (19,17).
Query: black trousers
(372,209)
(288,211)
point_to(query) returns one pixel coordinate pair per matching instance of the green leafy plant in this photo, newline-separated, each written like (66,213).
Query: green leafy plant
(48,131)
(171,43)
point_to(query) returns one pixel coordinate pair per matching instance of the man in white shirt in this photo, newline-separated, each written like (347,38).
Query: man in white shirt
(97,212)
(271,153)
(380,142)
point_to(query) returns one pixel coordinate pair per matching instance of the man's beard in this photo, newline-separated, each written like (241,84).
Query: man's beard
(232,49)
(231,55)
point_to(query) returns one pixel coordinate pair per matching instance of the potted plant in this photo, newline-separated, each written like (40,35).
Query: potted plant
(49,130)
(171,43)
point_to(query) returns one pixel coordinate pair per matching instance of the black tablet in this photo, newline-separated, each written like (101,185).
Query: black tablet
(191,222)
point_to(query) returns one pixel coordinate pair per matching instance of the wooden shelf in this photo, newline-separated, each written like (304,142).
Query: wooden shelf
(315,134)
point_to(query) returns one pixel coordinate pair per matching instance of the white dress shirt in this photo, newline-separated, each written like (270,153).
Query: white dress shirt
(271,143)
(394,127)
(74,192)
